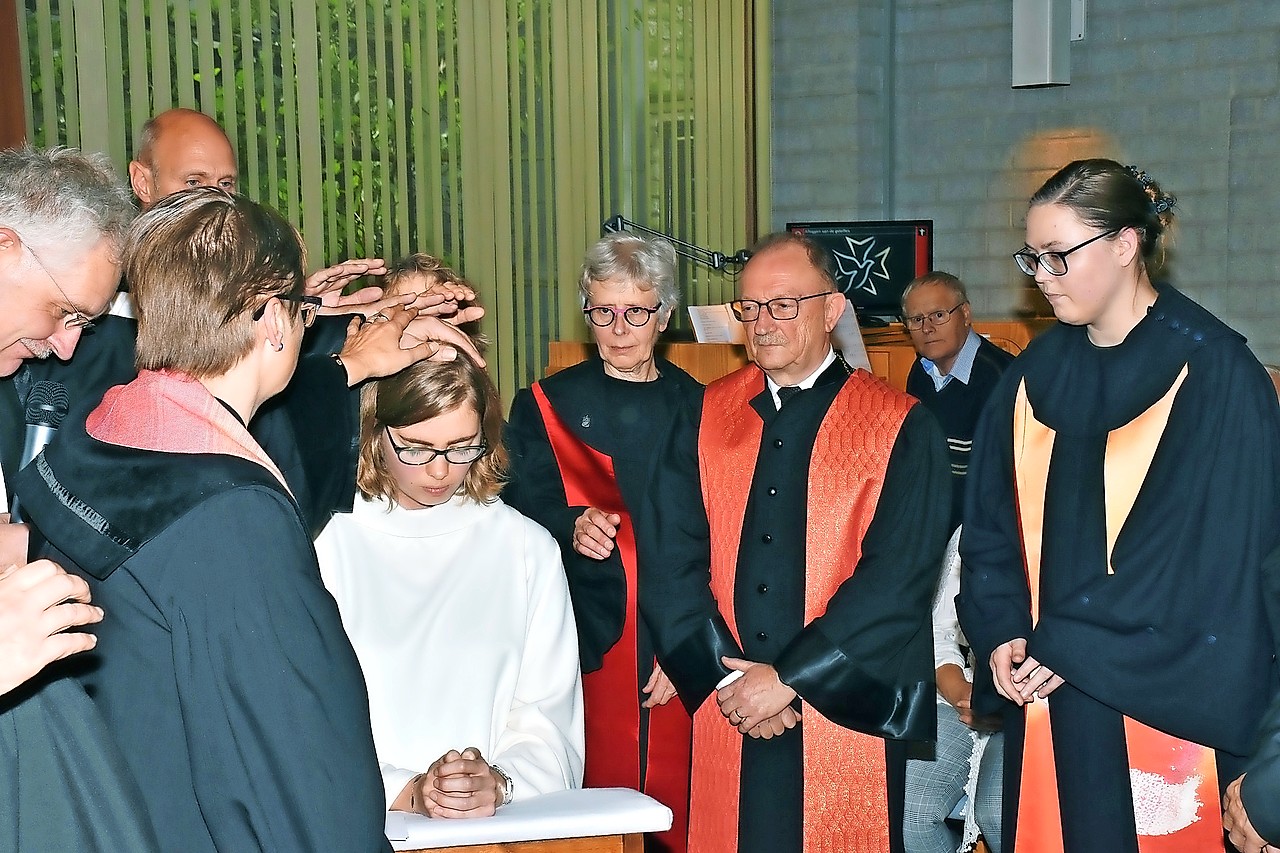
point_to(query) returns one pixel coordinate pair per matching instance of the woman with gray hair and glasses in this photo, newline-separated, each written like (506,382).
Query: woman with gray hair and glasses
(584,445)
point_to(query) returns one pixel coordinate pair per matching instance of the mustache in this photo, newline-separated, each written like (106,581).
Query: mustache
(39,349)
(769,339)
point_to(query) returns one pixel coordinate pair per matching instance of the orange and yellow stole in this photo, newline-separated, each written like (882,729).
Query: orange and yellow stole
(1161,767)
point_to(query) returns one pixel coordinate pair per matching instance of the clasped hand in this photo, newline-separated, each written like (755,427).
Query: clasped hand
(457,785)
(1019,678)
(757,704)
(594,532)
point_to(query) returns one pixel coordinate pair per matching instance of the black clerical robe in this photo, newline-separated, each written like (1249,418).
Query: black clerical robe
(222,668)
(622,424)
(863,663)
(311,430)
(1159,613)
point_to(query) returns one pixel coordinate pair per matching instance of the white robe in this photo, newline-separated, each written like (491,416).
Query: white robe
(460,617)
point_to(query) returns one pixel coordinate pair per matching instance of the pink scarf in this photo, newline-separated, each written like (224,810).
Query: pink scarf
(171,412)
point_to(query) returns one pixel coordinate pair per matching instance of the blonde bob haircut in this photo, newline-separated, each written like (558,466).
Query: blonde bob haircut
(199,264)
(419,393)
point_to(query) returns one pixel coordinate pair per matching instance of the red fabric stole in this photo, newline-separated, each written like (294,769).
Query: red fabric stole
(610,694)
(846,804)
(1175,781)
(172,412)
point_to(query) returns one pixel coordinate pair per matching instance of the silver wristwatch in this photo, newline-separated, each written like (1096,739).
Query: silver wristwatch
(507,785)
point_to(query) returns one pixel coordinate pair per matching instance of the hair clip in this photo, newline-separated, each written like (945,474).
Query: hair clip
(1160,201)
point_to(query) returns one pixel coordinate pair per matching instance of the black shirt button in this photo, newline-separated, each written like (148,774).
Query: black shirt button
(777,442)
(763,588)
(772,492)
(762,636)
(766,539)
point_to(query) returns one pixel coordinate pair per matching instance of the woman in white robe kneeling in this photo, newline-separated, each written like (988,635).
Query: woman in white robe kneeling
(456,604)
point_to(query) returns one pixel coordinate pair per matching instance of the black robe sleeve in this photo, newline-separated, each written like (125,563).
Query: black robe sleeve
(312,432)
(1260,790)
(597,588)
(689,632)
(270,692)
(867,662)
(994,604)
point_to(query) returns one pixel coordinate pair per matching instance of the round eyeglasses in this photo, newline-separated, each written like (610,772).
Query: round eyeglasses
(781,308)
(1054,263)
(915,322)
(635,315)
(424,455)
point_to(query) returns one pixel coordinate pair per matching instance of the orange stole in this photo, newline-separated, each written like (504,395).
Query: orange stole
(1158,762)
(846,805)
(610,694)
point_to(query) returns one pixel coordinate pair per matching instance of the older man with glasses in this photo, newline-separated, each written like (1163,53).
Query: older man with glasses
(63,786)
(804,513)
(955,373)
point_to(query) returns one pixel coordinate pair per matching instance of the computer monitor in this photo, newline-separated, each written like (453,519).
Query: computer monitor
(875,260)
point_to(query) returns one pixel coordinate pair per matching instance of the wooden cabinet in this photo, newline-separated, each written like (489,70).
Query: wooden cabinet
(888,349)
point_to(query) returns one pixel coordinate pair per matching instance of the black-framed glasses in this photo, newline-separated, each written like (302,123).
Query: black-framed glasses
(1054,263)
(424,455)
(635,315)
(780,308)
(77,317)
(915,322)
(308,308)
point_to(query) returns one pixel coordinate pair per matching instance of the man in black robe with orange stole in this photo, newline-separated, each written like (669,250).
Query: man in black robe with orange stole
(795,576)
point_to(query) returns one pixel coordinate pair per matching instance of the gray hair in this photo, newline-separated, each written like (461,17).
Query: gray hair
(649,263)
(946,279)
(59,198)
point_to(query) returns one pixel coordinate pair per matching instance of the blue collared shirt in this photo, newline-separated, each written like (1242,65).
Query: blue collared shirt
(963,367)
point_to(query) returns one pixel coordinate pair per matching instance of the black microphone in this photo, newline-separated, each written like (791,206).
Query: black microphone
(46,407)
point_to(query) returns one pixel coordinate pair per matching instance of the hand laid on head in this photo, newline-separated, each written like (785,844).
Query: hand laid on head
(395,337)
(329,283)
(755,697)
(450,300)
(1236,821)
(38,601)
(462,784)
(659,689)
(774,726)
(594,532)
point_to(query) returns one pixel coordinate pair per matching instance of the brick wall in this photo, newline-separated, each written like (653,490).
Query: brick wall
(904,110)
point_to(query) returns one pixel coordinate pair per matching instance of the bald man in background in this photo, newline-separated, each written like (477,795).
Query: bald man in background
(180,149)
(311,430)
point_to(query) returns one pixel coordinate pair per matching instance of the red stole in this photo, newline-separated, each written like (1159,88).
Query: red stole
(846,804)
(171,412)
(1169,775)
(610,694)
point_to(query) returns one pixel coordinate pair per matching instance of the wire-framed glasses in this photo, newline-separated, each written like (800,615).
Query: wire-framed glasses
(915,322)
(635,315)
(424,455)
(309,307)
(77,317)
(1054,263)
(781,308)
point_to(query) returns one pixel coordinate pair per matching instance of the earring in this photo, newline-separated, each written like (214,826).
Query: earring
(280,347)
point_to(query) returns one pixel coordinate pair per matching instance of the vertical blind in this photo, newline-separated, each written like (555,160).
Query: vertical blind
(497,135)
